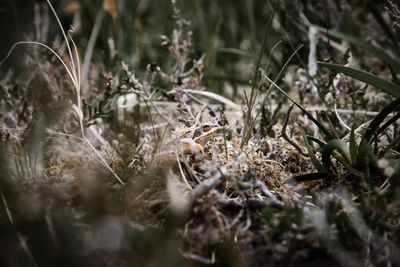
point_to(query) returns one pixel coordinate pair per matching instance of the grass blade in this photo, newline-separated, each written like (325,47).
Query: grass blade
(369,78)
(364,45)
(249,120)
(330,147)
(386,125)
(374,125)
(390,146)
(316,140)
(327,133)
(317,164)
(309,176)
(353,147)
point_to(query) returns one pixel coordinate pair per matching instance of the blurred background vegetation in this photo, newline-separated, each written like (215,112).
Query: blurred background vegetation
(229,34)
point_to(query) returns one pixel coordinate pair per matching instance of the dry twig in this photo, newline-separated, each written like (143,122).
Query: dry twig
(286,137)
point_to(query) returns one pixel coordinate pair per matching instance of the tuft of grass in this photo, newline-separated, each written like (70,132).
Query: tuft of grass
(73,70)
(249,120)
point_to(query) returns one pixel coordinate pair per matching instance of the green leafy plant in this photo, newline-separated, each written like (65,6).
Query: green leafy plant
(355,157)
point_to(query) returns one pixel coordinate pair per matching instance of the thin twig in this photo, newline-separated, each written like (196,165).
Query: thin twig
(198,258)
(286,137)
(206,186)
(182,172)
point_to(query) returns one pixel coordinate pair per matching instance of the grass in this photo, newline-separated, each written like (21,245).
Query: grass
(116,162)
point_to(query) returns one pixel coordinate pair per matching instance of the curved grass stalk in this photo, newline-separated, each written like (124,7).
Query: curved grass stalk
(76,79)
(70,74)
(340,119)
(78,72)
(328,134)
(65,37)
(214,96)
(75,76)
(271,53)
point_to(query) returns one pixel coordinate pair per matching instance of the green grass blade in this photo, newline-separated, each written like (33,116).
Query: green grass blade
(373,127)
(364,45)
(316,140)
(309,177)
(323,129)
(353,147)
(369,78)
(391,145)
(250,102)
(317,164)
(330,147)
(386,125)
